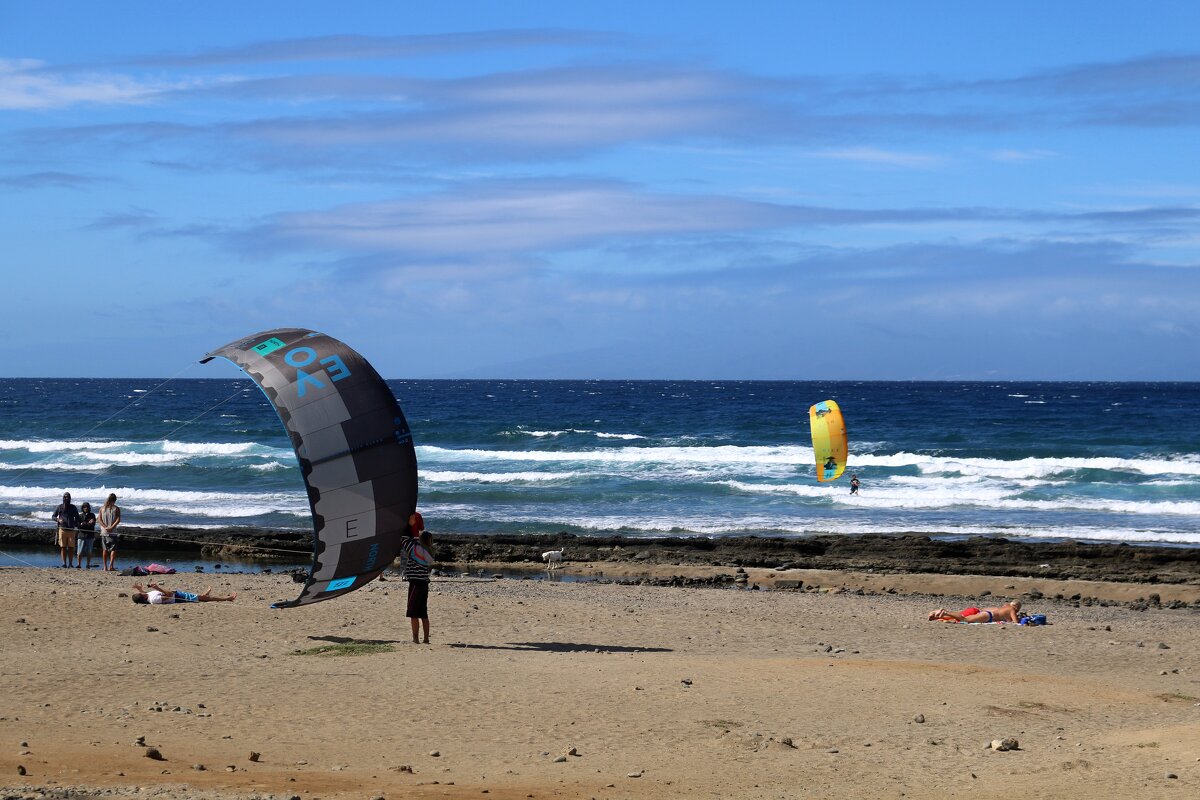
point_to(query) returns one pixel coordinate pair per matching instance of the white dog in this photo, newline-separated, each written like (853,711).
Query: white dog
(553,558)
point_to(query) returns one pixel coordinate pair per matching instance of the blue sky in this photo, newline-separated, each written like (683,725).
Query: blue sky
(885,190)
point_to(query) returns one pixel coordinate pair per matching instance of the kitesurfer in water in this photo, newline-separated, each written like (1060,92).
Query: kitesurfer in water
(854,483)
(158,596)
(417,573)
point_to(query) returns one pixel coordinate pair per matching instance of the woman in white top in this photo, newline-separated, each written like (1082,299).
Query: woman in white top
(109,518)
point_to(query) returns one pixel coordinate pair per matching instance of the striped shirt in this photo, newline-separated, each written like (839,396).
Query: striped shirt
(414,570)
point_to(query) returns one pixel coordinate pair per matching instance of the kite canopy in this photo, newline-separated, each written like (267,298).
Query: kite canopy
(354,447)
(829,440)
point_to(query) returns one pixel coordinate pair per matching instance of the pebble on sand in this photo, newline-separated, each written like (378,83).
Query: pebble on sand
(1003,745)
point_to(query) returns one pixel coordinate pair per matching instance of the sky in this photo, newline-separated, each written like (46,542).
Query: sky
(767,190)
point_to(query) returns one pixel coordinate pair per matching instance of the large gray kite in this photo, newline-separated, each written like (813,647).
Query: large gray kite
(354,447)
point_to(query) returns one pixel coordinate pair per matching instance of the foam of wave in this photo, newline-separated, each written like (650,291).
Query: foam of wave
(270,466)
(55,466)
(801,456)
(565,431)
(189,503)
(979,495)
(451,476)
(130,459)
(1027,467)
(120,447)
(786,526)
(38,446)
(713,455)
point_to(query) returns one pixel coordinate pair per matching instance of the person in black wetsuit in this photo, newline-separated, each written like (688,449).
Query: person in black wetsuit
(854,483)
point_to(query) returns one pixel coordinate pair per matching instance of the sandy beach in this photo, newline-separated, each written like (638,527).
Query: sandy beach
(563,689)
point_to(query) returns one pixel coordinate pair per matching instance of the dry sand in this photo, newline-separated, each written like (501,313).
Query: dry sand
(663,692)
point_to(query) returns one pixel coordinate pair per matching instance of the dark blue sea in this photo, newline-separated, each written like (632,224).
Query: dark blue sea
(1084,461)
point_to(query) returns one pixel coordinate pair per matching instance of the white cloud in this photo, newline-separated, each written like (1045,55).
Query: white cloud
(511,218)
(875,155)
(1021,155)
(25,86)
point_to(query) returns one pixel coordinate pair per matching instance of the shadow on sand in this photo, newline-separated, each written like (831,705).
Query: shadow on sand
(562,647)
(350,640)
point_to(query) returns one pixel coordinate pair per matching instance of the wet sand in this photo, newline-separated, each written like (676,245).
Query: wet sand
(1165,567)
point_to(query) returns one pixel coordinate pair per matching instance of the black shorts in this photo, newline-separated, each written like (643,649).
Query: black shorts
(418,600)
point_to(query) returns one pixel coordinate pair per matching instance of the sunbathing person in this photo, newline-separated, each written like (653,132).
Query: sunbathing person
(1007,612)
(158,596)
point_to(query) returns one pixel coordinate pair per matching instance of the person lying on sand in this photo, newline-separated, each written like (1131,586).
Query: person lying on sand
(158,596)
(1005,613)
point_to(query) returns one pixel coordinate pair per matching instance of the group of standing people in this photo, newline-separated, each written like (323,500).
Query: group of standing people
(76,536)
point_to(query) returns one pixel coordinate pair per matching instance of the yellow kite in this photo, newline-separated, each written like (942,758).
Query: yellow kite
(829,440)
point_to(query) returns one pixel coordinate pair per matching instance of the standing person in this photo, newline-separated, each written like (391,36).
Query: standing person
(418,559)
(86,536)
(67,517)
(416,524)
(110,518)
(854,483)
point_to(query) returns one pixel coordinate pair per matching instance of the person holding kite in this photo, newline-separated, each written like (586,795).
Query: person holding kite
(418,561)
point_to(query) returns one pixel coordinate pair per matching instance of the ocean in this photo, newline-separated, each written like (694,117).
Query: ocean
(1046,461)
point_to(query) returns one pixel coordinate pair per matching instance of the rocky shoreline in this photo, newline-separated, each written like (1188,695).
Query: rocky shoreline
(1066,560)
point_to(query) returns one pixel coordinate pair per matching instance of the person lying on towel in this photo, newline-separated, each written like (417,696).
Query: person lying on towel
(1005,613)
(158,596)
